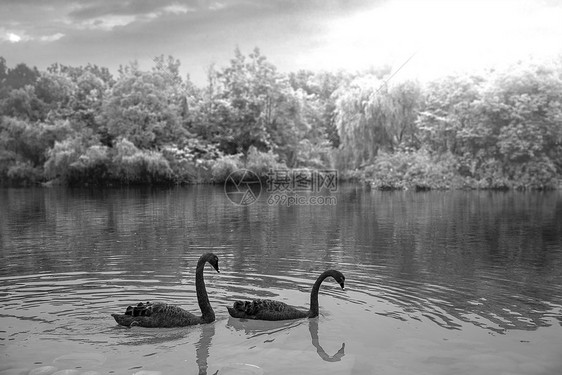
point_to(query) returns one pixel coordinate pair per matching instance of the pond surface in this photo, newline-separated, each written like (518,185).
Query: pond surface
(436,283)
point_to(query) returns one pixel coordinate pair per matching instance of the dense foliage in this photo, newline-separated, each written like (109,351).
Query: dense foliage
(83,126)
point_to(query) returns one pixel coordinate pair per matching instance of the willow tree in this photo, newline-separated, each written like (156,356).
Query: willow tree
(372,115)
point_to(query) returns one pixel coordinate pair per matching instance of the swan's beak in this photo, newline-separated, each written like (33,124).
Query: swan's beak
(342,286)
(217,268)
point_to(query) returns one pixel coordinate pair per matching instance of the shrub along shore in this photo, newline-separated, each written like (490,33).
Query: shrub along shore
(83,126)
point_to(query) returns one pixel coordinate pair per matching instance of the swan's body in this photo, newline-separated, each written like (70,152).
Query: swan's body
(164,315)
(266,309)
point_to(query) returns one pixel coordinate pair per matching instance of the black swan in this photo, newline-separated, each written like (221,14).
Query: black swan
(266,309)
(164,315)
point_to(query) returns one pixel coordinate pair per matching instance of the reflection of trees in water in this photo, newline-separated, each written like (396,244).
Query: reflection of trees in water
(453,232)
(313,328)
(22,217)
(488,258)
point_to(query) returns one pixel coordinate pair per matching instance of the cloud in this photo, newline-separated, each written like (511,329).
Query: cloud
(13,36)
(174,9)
(96,9)
(107,22)
(51,38)
(103,15)
(177,9)
(217,6)
(21,37)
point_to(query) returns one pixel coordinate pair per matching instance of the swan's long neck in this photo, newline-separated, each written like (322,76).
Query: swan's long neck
(202,299)
(313,312)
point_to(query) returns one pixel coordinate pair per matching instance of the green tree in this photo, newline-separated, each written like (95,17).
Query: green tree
(74,72)
(321,86)
(23,146)
(55,91)
(143,108)
(298,133)
(136,166)
(245,102)
(250,105)
(21,75)
(86,104)
(79,160)
(523,110)
(3,70)
(3,76)
(23,103)
(502,130)
(449,120)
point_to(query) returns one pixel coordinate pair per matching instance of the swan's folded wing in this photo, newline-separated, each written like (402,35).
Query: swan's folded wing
(268,305)
(265,309)
(275,310)
(159,315)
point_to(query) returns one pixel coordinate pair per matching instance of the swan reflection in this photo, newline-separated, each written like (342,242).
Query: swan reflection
(202,347)
(313,328)
(255,328)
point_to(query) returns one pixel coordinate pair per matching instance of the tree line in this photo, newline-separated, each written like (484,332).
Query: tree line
(84,126)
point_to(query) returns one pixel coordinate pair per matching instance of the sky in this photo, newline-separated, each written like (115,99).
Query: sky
(420,39)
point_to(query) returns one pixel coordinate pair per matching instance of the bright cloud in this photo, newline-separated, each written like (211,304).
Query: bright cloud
(20,37)
(443,36)
(14,38)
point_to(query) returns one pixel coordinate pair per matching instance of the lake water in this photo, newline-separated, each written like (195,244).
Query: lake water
(436,283)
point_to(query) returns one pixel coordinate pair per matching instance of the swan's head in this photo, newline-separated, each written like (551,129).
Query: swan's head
(341,281)
(340,278)
(214,261)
